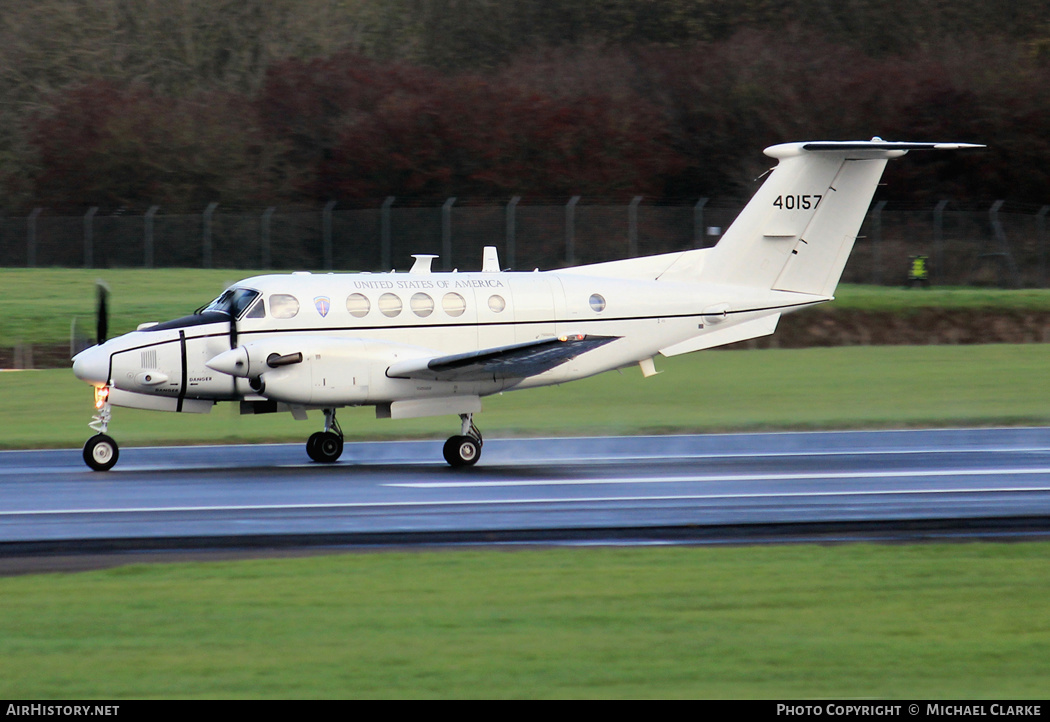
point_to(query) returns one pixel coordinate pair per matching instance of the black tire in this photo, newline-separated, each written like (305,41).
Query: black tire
(462,451)
(324,447)
(101,452)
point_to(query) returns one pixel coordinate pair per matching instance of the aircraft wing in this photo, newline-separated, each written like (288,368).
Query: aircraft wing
(516,361)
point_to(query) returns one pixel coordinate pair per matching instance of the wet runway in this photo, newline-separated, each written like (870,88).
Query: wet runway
(635,488)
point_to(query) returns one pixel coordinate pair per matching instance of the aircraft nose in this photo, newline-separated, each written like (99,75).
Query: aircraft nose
(233,362)
(92,365)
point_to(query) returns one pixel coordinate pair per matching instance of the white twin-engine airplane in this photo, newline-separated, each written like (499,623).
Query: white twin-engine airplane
(429,344)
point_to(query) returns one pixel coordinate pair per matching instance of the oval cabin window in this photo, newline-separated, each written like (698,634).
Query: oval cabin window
(389,305)
(358,305)
(453,304)
(497,304)
(422,304)
(283,305)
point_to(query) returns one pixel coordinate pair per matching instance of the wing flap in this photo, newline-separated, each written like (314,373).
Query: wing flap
(516,361)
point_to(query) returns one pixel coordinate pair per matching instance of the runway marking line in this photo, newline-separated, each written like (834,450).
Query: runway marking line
(726,477)
(509,502)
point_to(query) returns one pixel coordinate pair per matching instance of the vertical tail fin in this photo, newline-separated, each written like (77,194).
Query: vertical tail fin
(798,230)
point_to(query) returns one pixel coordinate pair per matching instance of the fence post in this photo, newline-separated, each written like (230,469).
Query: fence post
(698,223)
(446,233)
(511,231)
(206,241)
(89,237)
(31,237)
(147,244)
(1041,225)
(326,234)
(1004,247)
(938,239)
(267,216)
(876,240)
(632,227)
(384,233)
(570,231)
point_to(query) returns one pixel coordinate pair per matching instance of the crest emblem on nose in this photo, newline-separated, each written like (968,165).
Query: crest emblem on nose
(323,304)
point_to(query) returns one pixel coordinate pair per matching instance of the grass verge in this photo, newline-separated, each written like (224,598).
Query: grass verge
(828,388)
(931,621)
(958,621)
(38,304)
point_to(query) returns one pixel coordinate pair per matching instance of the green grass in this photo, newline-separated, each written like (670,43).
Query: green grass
(38,305)
(848,387)
(924,622)
(900,300)
(960,621)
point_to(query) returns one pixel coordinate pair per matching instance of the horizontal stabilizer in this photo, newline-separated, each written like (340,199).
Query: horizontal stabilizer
(516,361)
(883,145)
(860,149)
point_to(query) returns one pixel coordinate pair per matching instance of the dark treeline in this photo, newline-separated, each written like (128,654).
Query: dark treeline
(122,104)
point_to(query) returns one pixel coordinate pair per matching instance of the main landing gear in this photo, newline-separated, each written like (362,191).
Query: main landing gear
(101,451)
(465,449)
(326,446)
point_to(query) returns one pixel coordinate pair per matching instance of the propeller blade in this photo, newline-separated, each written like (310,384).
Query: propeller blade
(78,340)
(233,331)
(101,313)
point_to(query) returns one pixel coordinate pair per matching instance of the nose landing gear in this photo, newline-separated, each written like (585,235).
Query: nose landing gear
(101,451)
(326,446)
(465,449)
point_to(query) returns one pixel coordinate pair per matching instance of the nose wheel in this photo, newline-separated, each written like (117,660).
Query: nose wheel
(326,446)
(464,449)
(101,452)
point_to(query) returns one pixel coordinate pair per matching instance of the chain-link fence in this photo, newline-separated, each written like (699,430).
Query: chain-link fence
(972,245)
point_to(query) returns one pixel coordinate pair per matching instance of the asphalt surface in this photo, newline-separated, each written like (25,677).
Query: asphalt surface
(670,489)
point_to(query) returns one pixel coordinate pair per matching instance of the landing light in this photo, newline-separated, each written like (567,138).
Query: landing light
(101,396)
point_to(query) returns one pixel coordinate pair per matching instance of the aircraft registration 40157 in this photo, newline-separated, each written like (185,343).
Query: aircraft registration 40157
(430,344)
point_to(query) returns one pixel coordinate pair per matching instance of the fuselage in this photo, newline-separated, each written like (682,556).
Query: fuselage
(361,324)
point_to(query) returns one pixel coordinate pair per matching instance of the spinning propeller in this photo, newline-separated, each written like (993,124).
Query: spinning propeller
(233,329)
(101,312)
(77,340)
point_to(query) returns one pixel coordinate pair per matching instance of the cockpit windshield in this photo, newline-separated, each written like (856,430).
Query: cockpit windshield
(233,302)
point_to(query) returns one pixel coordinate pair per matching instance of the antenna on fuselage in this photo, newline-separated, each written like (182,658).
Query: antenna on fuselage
(490,260)
(422,264)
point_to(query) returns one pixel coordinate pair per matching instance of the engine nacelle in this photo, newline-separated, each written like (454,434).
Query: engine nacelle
(336,373)
(320,370)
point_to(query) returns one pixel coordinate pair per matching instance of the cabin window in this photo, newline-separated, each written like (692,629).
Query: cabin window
(497,304)
(283,305)
(422,304)
(358,305)
(258,310)
(389,305)
(597,303)
(453,304)
(233,302)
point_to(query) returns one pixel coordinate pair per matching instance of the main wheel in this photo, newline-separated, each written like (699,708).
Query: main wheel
(324,447)
(462,451)
(101,452)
